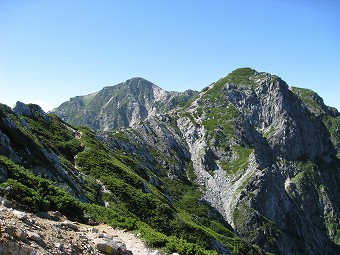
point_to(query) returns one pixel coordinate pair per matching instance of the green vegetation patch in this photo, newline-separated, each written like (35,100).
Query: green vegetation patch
(333,127)
(88,98)
(308,96)
(307,172)
(244,184)
(241,163)
(220,125)
(36,193)
(269,133)
(330,218)
(181,246)
(190,117)
(241,76)
(120,135)
(198,223)
(58,135)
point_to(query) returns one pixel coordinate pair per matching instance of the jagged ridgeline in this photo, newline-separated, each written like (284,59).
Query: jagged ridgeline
(247,165)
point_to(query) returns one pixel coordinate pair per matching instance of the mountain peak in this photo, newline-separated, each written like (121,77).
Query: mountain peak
(138,79)
(121,105)
(139,85)
(249,76)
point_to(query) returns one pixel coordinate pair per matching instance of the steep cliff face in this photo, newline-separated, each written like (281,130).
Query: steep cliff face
(121,105)
(266,161)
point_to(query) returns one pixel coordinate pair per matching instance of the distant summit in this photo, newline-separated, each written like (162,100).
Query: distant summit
(121,105)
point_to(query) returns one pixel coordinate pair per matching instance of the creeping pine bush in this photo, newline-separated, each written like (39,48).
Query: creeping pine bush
(181,246)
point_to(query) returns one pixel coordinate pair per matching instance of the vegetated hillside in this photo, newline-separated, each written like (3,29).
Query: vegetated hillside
(121,105)
(265,156)
(47,164)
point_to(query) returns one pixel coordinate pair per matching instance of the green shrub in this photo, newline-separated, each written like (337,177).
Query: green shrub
(25,196)
(152,237)
(116,216)
(181,246)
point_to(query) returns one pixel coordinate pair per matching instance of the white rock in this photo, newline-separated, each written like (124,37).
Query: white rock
(156,252)
(34,236)
(20,215)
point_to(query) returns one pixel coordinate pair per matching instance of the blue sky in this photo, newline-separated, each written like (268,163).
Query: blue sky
(53,50)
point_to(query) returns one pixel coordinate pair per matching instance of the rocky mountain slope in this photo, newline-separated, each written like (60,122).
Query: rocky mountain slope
(121,105)
(247,165)
(266,156)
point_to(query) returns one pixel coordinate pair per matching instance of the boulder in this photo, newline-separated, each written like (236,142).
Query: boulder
(6,149)
(70,225)
(6,203)
(34,236)
(30,110)
(110,246)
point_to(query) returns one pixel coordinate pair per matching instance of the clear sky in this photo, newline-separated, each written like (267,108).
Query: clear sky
(53,50)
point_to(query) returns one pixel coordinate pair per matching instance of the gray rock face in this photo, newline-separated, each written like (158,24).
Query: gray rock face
(30,110)
(122,105)
(22,109)
(292,131)
(6,149)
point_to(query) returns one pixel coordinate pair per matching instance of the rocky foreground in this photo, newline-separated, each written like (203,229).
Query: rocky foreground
(52,233)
